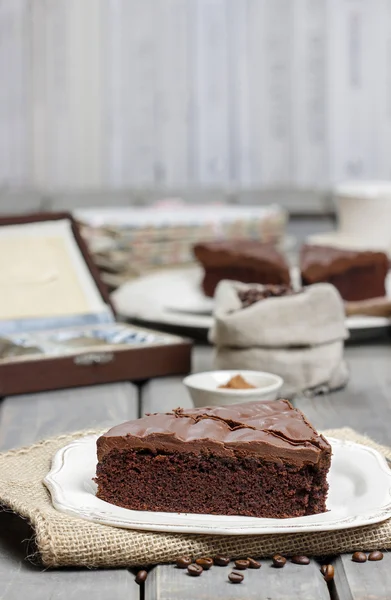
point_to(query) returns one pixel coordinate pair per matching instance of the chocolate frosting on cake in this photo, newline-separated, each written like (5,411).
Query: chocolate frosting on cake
(271,430)
(318,263)
(240,253)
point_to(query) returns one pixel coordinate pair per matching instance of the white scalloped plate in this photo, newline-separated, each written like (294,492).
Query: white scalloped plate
(181,303)
(360,494)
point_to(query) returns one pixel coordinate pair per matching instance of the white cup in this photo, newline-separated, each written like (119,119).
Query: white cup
(364,212)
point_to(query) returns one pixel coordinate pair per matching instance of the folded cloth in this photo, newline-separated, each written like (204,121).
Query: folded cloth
(299,337)
(62,540)
(315,315)
(316,368)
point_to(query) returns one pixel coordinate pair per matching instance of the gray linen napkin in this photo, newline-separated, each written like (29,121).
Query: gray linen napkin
(299,337)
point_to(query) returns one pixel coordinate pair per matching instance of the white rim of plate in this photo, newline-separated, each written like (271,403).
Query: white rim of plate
(188,320)
(273,526)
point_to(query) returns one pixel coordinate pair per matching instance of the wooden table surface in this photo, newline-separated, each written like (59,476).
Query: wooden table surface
(365,404)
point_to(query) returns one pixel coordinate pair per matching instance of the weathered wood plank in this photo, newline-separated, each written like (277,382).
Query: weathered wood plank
(165,393)
(202,359)
(16,202)
(356,581)
(293,581)
(314,203)
(365,403)
(18,577)
(23,420)
(27,418)
(168,583)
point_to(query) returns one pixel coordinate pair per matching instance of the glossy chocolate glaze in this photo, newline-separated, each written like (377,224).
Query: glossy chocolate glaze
(240,253)
(318,263)
(271,430)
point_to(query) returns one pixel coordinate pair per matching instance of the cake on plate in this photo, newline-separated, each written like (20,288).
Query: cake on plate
(259,459)
(248,261)
(357,275)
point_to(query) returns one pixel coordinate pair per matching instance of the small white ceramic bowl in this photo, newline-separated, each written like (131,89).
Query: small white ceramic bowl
(204,387)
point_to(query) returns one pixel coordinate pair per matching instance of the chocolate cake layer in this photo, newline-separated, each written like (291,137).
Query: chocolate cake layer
(248,261)
(256,459)
(357,275)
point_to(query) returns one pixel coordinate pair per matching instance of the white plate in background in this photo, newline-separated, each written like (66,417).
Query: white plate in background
(174,297)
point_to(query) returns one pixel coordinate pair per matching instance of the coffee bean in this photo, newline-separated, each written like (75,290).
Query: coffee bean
(252,295)
(253,564)
(221,561)
(279,561)
(235,577)
(194,570)
(183,562)
(375,555)
(205,563)
(300,560)
(328,572)
(141,577)
(242,565)
(359,557)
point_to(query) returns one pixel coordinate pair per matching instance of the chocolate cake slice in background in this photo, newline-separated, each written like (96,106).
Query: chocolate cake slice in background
(357,275)
(247,261)
(260,459)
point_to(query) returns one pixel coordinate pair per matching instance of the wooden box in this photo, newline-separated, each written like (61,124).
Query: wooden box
(57,325)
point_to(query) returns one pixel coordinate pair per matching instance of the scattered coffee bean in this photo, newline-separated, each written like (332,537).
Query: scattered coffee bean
(194,570)
(242,565)
(375,555)
(141,577)
(205,563)
(300,560)
(183,562)
(235,577)
(323,569)
(253,564)
(359,557)
(279,561)
(221,561)
(328,572)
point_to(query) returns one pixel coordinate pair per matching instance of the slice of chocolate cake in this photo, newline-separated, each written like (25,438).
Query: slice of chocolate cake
(247,261)
(357,275)
(260,459)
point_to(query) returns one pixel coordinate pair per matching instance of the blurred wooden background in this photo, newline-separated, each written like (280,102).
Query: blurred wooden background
(118,94)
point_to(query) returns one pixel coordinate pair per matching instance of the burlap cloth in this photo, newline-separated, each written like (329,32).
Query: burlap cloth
(66,541)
